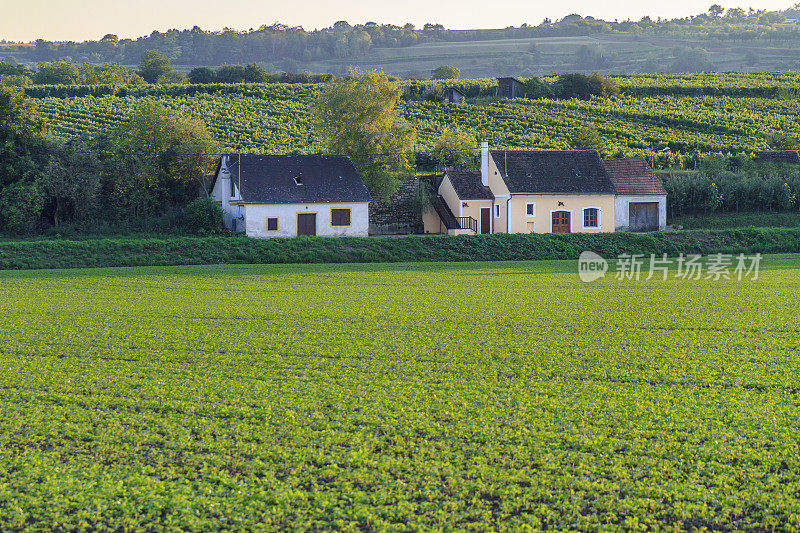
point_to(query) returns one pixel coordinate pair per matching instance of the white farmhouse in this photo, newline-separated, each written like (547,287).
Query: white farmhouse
(290,195)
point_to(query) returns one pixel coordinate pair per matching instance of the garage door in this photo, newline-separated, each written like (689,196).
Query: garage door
(643,216)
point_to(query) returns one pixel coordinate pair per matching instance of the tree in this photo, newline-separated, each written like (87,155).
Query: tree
(255,73)
(201,75)
(446,72)
(20,123)
(588,138)
(181,148)
(358,116)
(20,205)
(71,181)
(154,65)
(715,10)
(454,148)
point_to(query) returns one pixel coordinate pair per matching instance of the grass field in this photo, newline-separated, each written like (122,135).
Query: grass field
(403,397)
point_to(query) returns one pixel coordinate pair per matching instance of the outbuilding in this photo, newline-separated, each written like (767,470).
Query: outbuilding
(640,203)
(291,195)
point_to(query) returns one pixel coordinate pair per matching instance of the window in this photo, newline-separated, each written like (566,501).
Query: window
(298,180)
(272,223)
(591,217)
(530,209)
(340,217)
(496,210)
(233,187)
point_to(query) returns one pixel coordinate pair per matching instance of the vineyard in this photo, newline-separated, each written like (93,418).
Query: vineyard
(248,398)
(709,113)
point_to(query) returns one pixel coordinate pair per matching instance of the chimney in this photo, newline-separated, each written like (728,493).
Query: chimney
(485,163)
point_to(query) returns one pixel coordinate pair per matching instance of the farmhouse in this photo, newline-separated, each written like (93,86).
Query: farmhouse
(525,192)
(548,191)
(641,201)
(290,195)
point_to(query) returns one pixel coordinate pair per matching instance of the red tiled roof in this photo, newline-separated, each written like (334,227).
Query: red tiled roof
(633,175)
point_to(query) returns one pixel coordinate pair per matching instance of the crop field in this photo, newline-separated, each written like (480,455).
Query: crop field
(408,396)
(275,118)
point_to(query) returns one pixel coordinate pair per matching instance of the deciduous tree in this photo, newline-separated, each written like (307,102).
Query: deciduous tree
(358,116)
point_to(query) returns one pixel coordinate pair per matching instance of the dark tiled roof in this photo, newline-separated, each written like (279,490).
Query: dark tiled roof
(468,186)
(633,175)
(553,171)
(778,156)
(509,79)
(325,178)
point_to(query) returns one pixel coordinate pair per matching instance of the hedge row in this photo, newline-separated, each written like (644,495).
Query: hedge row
(113,252)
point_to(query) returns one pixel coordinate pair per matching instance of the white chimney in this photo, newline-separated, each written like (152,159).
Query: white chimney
(485,163)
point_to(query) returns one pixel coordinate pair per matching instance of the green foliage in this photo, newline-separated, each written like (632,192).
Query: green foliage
(202,215)
(589,139)
(181,147)
(154,65)
(446,72)
(183,250)
(20,123)
(389,397)
(202,75)
(584,87)
(455,148)
(358,116)
(20,205)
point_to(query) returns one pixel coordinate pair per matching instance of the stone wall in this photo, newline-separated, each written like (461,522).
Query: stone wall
(398,214)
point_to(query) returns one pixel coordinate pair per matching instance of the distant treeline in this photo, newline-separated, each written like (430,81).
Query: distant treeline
(283,47)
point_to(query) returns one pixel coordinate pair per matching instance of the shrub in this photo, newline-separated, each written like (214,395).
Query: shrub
(202,215)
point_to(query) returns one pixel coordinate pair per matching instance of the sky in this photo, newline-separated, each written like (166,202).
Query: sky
(78,20)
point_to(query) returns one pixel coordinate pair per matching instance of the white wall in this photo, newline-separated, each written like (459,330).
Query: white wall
(622,212)
(222,195)
(256,219)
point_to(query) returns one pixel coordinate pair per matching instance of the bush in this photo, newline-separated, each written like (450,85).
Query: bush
(20,205)
(202,215)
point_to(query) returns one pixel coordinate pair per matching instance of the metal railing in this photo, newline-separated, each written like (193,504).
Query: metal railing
(467,223)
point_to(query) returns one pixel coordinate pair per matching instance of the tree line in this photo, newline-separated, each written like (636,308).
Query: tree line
(283,47)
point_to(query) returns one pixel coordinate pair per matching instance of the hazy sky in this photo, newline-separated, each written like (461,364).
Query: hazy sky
(26,20)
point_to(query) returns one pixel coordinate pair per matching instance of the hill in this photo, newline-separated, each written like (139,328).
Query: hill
(722,41)
(689,114)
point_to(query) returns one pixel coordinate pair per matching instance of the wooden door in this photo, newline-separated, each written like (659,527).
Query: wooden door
(486,219)
(307,224)
(643,216)
(561,222)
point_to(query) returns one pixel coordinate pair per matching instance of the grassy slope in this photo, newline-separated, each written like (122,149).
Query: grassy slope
(415,397)
(627,54)
(134,251)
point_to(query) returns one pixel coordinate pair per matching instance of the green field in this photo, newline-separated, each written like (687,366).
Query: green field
(472,396)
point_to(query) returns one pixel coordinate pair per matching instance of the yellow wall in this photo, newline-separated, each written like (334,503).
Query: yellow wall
(520,223)
(431,221)
(472,209)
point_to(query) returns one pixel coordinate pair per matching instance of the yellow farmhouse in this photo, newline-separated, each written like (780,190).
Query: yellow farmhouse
(519,191)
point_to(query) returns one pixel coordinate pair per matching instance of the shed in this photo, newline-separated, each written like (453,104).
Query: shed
(453,96)
(510,88)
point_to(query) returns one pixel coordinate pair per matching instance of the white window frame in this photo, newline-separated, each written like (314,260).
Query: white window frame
(496,210)
(599,217)
(534,209)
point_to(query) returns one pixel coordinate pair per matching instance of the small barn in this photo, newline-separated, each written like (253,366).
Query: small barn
(453,96)
(510,88)
(778,156)
(640,203)
(291,195)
